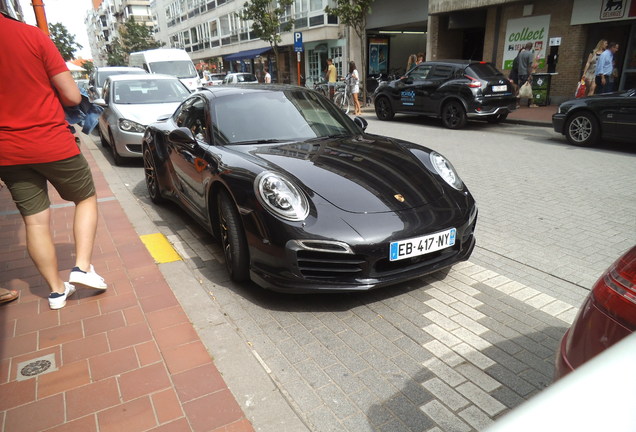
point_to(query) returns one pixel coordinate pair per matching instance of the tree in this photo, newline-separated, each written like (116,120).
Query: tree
(64,41)
(88,66)
(353,13)
(266,16)
(133,37)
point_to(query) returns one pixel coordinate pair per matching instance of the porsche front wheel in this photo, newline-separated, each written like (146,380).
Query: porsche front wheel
(232,238)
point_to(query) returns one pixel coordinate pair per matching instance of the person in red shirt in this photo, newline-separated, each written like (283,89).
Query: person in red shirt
(36,147)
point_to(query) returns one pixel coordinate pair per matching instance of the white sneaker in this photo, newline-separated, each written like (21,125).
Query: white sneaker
(57,300)
(89,278)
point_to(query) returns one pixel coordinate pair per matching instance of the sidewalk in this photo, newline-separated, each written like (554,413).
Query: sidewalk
(539,116)
(128,359)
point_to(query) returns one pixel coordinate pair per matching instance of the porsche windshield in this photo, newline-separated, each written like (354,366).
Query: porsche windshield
(275,116)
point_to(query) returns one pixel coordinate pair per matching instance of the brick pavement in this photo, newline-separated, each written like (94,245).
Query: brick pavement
(125,360)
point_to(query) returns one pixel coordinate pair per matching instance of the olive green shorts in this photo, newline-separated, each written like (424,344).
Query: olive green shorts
(71,178)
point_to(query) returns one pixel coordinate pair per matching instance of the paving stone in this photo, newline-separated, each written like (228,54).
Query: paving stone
(369,403)
(510,380)
(310,372)
(441,320)
(448,421)
(478,377)
(408,413)
(480,398)
(476,418)
(442,335)
(473,356)
(445,394)
(440,307)
(336,401)
(444,353)
(445,372)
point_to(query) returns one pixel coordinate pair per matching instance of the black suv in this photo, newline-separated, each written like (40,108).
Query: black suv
(453,90)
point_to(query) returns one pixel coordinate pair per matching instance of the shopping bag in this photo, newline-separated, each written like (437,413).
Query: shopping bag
(526,90)
(580,89)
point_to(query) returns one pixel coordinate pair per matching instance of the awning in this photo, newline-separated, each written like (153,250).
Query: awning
(247,54)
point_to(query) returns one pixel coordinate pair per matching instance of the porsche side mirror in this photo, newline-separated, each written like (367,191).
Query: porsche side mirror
(407,80)
(182,135)
(362,123)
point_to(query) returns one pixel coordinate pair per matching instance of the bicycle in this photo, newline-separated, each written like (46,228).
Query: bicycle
(343,98)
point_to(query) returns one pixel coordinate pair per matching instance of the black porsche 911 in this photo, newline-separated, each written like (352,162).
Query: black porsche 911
(301,198)
(585,121)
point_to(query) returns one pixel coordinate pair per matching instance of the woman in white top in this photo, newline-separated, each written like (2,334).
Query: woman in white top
(354,85)
(589,71)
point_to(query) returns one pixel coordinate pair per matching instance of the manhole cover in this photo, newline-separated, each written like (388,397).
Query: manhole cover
(35,368)
(32,368)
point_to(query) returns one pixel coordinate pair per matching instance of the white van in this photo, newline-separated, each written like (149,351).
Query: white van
(168,61)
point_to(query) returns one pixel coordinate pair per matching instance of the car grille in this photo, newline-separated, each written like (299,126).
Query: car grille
(327,265)
(136,148)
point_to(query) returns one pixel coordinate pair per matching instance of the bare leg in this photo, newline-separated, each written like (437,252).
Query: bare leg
(84,228)
(41,248)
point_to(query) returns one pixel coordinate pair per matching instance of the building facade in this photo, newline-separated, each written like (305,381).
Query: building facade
(215,35)
(563,34)
(104,20)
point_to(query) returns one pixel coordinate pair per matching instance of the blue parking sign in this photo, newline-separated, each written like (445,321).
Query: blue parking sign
(298,42)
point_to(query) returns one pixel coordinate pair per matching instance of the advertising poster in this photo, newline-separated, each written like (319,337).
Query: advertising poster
(378,55)
(523,30)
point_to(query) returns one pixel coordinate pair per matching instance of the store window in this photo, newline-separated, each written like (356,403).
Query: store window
(335,53)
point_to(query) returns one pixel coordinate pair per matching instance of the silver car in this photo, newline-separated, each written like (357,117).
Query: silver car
(130,103)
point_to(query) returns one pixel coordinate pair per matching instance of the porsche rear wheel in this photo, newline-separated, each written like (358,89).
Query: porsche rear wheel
(582,129)
(152,179)
(453,115)
(383,109)
(232,238)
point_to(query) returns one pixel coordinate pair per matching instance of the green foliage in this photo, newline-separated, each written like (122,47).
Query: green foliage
(64,41)
(266,16)
(88,66)
(352,13)
(133,37)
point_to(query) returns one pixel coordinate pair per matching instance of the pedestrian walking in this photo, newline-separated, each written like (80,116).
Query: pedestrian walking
(526,67)
(604,68)
(36,147)
(589,71)
(412,61)
(268,78)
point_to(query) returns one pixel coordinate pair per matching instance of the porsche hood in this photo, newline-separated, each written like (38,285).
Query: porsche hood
(358,175)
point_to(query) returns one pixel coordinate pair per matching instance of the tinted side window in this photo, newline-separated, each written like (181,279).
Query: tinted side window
(482,70)
(181,113)
(441,72)
(420,73)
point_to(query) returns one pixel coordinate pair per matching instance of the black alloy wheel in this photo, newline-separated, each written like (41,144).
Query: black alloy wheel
(116,157)
(383,108)
(582,129)
(453,115)
(232,238)
(152,180)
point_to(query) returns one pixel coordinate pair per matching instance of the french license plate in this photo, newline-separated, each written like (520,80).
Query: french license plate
(499,88)
(422,245)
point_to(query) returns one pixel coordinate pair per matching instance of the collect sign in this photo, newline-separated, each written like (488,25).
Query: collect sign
(523,30)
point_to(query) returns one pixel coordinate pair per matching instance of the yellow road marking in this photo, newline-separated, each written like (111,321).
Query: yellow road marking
(160,248)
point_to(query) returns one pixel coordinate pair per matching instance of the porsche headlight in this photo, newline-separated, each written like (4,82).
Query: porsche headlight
(445,169)
(131,126)
(281,196)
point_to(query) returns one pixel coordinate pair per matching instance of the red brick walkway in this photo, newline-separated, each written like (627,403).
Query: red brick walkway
(124,360)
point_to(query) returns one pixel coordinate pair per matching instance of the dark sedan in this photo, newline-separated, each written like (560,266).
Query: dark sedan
(301,198)
(610,116)
(453,90)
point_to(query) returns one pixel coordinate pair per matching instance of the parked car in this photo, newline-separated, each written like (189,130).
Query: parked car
(453,90)
(240,78)
(130,103)
(607,316)
(300,197)
(214,79)
(99,75)
(585,121)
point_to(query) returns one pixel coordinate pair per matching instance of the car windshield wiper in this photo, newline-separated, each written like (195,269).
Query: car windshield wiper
(260,141)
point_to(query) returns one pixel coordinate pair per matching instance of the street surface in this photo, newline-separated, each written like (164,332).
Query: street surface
(452,351)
